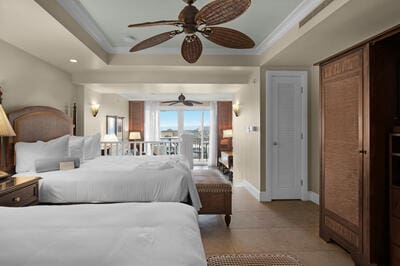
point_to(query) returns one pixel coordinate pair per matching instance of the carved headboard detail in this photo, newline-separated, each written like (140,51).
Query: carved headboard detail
(36,123)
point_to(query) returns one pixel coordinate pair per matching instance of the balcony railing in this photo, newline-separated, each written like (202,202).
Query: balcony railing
(200,150)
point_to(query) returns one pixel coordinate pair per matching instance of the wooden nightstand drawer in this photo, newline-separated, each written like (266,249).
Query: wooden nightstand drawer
(22,197)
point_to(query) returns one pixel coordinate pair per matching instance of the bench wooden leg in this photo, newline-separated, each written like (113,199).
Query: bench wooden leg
(227,220)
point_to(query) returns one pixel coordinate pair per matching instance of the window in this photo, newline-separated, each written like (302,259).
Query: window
(169,126)
(195,122)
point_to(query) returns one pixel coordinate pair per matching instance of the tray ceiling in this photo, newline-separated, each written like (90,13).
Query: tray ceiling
(112,17)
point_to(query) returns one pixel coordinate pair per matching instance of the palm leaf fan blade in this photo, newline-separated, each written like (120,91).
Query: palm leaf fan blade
(191,48)
(155,40)
(156,23)
(195,102)
(229,38)
(221,11)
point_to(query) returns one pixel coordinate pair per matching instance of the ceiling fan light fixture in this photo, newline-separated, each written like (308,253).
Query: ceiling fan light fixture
(192,20)
(182,100)
(189,2)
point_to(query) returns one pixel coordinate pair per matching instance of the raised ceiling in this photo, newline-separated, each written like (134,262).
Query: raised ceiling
(110,19)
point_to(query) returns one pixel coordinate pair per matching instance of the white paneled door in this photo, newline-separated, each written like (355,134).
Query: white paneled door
(286,134)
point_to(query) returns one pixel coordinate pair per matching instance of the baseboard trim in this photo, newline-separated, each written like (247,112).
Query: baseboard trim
(314,197)
(261,196)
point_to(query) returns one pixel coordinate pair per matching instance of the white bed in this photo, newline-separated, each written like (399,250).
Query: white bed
(101,234)
(121,179)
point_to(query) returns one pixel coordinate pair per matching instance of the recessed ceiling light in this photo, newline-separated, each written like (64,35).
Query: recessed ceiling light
(73,60)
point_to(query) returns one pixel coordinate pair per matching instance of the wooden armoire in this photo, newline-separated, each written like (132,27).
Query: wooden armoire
(359,108)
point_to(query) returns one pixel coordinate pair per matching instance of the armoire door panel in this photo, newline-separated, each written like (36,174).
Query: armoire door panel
(359,110)
(342,83)
(342,170)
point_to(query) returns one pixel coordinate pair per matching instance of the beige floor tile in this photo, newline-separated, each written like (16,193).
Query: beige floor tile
(279,227)
(301,239)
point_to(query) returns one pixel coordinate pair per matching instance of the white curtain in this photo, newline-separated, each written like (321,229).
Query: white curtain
(213,142)
(151,121)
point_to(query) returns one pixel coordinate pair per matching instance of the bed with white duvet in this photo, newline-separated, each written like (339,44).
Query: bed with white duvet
(120,179)
(101,234)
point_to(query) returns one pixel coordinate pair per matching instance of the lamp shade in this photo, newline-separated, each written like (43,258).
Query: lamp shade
(134,135)
(227,133)
(6,129)
(109,138)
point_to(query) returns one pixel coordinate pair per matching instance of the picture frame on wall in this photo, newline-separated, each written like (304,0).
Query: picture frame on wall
(111,125)
(120,128)
(115,125)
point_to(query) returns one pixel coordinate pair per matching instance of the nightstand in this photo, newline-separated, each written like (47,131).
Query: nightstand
(19,191)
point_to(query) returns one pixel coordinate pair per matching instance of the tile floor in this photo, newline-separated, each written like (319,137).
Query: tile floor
(288,227)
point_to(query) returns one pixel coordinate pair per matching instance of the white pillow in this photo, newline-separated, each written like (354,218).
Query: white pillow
(27,153)
(92,147)
(76,147)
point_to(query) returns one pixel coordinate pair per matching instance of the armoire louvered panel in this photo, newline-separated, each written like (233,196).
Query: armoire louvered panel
(342,85)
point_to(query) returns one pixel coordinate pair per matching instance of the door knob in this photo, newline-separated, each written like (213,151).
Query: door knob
(275,143)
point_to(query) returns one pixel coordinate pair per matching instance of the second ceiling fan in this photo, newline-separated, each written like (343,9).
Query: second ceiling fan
(192,21)
(182,99)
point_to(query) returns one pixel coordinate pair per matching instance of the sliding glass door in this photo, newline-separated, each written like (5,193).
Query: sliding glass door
(173,123)
(197,123)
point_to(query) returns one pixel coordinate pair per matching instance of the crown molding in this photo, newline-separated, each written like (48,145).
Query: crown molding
(79,13)
(293,19)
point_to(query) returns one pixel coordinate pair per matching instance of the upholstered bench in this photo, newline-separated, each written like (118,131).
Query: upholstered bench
(215,193)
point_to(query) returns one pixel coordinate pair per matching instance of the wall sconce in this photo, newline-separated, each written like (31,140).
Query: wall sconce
(95,109)
(236,109)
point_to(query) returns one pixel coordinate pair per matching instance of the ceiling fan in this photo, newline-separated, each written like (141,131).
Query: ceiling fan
(182,99)
(192,21)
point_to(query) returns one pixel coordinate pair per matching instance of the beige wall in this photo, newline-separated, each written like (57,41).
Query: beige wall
(28,81)
(110,104)
(250,149)
(246,146)
(92,125)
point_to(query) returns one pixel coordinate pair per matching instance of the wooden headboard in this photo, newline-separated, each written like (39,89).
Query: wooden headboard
(36,123)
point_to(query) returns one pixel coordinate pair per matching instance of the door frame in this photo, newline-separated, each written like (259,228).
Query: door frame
(304,128)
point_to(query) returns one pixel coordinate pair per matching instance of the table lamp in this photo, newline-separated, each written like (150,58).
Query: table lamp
(227,133)
(134,135)
(6,130)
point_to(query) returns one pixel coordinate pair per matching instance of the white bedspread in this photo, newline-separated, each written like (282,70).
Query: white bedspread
(101,234)
(121,179)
